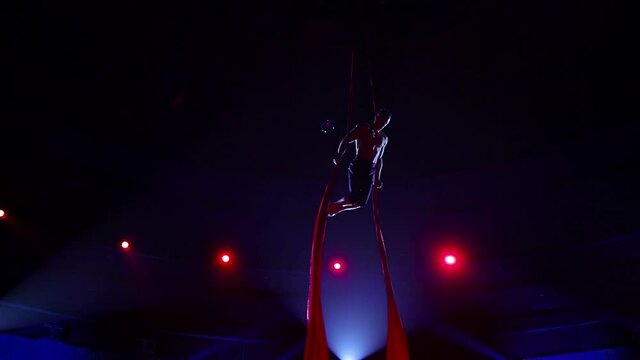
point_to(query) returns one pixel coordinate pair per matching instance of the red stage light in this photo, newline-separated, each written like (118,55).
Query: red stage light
(3,214)
(450,260)
(125,245)
(337,266)
(225,258)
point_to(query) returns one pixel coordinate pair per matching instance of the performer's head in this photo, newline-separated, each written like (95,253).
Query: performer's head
(382,119)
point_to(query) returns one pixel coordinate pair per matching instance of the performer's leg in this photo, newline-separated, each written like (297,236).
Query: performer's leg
(360,180)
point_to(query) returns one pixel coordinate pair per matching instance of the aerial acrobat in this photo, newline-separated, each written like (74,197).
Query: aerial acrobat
(366,168)
(364,172)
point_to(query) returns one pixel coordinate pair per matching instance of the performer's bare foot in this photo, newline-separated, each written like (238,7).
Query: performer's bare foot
(344,204)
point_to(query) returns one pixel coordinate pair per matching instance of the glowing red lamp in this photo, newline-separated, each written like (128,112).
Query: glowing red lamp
(337,266)
(3,214)
(225,258)
(125,245)
(450,260)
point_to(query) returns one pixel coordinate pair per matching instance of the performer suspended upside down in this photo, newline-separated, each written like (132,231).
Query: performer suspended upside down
(366,167)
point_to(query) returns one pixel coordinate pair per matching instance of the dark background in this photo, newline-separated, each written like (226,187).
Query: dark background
(192,127)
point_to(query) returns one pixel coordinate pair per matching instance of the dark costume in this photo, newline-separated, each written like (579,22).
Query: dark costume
(361,174)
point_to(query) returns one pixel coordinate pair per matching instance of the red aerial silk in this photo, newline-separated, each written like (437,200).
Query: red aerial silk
(396,342)
(316,343)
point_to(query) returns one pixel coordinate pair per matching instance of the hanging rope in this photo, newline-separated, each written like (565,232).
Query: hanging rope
(351,89)
(316,343)
(370,71)
(397,348)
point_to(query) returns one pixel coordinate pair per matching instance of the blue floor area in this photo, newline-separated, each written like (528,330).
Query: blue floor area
(19,348)
(605,354)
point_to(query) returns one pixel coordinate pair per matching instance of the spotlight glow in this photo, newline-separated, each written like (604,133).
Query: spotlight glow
(225,258)
(337,265)
(355,317)
(354,306)
(3,214)
(125,245)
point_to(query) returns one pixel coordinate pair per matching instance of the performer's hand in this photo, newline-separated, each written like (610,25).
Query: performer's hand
(379,184)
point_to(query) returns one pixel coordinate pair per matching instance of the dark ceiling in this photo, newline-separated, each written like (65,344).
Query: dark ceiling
(188,127)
